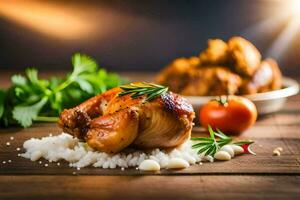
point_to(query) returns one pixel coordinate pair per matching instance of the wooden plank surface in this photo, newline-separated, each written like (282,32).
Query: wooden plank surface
(150,187)
(244,177)
(267,138)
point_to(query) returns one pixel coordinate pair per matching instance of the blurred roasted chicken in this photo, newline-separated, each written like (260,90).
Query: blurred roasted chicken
(266,78)
(223,68)
(216,53)
(244,55)
(209,80)
(109,122)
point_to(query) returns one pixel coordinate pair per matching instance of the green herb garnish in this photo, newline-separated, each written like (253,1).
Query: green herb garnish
(210,145)
(150,90)
(33,99)
(222,100)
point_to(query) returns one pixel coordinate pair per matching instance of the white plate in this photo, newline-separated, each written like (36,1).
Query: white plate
(266,102)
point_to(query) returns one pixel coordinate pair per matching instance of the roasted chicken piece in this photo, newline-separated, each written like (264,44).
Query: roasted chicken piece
(245,56)
(216,53)
(238,54)
(266,78)
(176,74)
(211,80)
(113,132)
(109,122)
(222,68)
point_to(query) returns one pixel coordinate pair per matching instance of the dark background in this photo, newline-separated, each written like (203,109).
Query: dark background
(141,35)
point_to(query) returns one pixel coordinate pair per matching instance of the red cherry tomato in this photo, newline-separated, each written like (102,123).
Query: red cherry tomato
(232,116)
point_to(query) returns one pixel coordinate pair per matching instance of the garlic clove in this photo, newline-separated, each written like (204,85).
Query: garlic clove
(237,149)
(222,155)
(228,149)
(177,163)
(149,165)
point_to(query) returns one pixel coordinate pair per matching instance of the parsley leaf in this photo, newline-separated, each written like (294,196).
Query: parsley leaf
(18,79)
(84,85)
(33,99)
(26,114)
(2,100)
(83,63)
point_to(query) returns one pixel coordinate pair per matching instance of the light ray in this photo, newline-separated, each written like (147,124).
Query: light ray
(284,15)
(50,19)
(284,40)
(265,27)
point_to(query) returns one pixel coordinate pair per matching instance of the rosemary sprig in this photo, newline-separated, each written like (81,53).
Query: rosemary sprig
(151,90)
(210,145)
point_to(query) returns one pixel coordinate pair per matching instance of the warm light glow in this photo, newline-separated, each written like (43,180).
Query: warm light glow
(284,40)
(294,6)
(285,16)
(47,18)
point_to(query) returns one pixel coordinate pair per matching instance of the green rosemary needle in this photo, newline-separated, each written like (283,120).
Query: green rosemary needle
(150,90)
(212,144)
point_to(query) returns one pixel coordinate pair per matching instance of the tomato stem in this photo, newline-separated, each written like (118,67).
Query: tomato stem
(222,101)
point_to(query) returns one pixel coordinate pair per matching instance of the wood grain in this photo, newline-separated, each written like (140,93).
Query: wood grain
(267,139)
(245,177)
(150,187)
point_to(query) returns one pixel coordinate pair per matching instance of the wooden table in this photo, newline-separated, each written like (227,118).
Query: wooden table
(245,177)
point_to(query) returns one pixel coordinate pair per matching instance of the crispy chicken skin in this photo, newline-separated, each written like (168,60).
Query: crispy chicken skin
(76,120)
(216,53)
(120,121)
(190,80)
(267,77)
(211,80)
(176,74)
(223,68)
(245,56)
(113,132)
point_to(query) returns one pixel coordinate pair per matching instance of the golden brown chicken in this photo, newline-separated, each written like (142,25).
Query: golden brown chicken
(109,122)
(211,80)
(184,77)
(176,75)
(217,53)
(244,55)
(266,78)
(223,68)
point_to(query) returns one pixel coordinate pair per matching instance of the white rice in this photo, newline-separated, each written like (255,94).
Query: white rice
(79,154)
